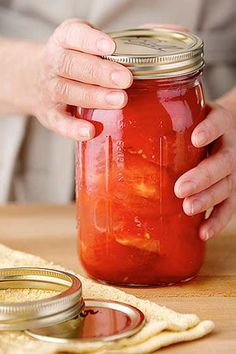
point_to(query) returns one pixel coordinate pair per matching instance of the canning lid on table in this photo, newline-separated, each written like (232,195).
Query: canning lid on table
(157,53)
(65,316)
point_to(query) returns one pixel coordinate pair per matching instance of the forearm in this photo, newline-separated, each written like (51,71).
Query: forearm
(19,67)
(228,101)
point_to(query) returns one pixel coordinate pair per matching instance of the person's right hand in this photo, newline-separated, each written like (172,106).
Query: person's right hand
(73,73)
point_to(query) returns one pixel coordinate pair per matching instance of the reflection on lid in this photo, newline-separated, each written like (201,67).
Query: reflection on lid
(102,322)
(99,320)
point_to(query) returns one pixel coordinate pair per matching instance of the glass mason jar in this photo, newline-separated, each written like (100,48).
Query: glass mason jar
(132,228)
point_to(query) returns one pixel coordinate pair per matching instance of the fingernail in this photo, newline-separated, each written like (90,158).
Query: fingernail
(115,98)
(106,46)
(196,206)
(201,138)
(86,132)
(121,78)
(208,234)
(186,188)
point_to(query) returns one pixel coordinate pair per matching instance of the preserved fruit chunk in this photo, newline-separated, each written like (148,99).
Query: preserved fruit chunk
(143,243)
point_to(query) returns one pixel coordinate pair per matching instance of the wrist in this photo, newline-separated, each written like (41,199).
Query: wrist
(19,68)
(27,102)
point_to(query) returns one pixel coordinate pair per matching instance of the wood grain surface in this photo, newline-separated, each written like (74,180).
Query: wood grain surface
(49,232)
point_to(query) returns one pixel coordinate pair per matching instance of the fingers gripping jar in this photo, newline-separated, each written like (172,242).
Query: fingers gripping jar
(132,228)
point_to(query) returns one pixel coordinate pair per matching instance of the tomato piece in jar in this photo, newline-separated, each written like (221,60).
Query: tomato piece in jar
(180,257)
(149,129)
(143,186)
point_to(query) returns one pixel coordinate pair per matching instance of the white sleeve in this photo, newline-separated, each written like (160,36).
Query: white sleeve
(14,23)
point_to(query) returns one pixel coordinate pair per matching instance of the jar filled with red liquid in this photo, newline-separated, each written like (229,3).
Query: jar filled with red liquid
(132,228)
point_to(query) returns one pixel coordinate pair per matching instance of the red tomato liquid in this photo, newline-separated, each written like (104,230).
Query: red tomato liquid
(132,228)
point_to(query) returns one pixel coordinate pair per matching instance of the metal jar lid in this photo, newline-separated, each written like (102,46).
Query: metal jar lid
(157,53)
(64,317)
(101,320)
(39,313)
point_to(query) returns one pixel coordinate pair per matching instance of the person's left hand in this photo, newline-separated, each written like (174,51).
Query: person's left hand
(213,182)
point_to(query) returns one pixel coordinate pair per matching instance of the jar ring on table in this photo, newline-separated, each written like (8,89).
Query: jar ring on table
(66,316)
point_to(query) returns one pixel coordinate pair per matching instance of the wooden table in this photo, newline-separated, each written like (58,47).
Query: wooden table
(49,231)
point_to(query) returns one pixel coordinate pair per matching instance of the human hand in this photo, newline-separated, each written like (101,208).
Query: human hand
(213,182)
(72,73)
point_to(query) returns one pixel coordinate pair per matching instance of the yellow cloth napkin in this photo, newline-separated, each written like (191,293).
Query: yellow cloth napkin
(163,327)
